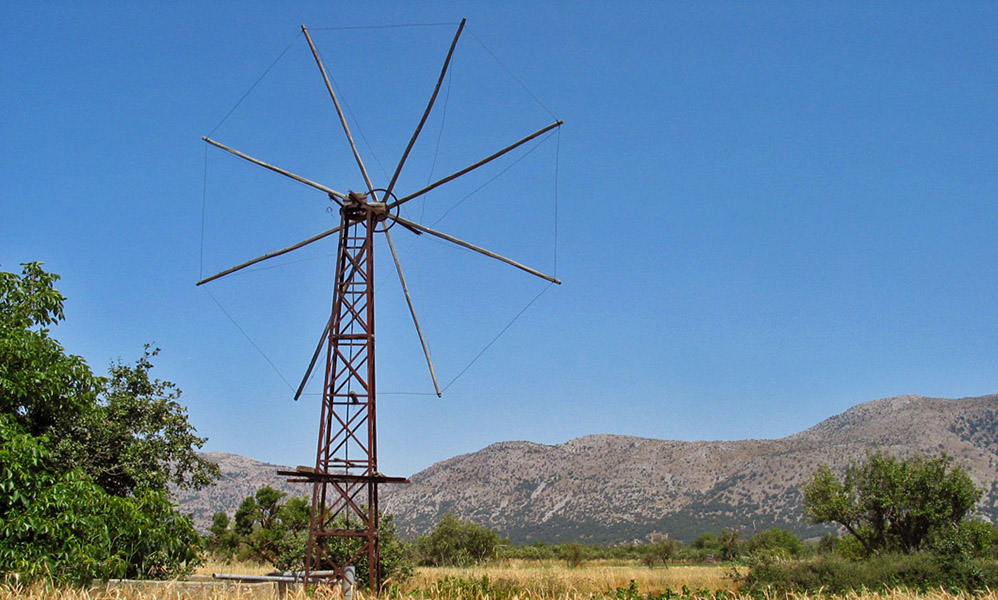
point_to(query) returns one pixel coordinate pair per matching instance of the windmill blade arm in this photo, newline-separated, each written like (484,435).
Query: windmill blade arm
(412,311)
(426,113)
(339,111)
(465,244)
(248,263)
(480,163)
(338,196)
(315,357)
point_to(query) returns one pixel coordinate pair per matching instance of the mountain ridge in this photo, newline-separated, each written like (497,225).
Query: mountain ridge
(612,488)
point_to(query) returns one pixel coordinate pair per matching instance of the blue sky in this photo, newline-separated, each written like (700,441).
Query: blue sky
(763,213)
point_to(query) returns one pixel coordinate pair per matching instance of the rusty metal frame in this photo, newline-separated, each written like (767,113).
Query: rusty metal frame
(345,477)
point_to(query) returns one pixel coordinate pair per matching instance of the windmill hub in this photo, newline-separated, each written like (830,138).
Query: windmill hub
(356,208)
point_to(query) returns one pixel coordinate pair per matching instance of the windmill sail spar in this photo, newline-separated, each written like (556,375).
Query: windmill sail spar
(338,196)
(426,113)
(478,249)
(315,357)
(412,311)
(339,111)
(480,163)
(291,248)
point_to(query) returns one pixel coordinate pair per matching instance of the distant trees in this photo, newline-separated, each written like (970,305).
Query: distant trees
(85,460)
(265,528)
(893,505)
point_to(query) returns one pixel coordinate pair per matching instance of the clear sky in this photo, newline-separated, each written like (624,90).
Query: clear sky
(763,213)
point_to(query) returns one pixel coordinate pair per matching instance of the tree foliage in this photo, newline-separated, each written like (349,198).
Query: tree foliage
(776,543)
(136,436)
(127,430)
(58,524)
(893,505)
(661,551)
(454,542)
(41,386)
(86,459)
(271,527)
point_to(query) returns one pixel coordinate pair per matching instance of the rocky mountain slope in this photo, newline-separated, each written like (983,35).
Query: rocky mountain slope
(610,488)
(241,477)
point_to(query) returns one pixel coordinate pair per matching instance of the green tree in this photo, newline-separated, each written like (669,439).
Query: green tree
(889,504)
(58,524)
(776,543)
(662,551)
(455,542)
(272,527)
(222,540)
(137,435)
(273,532)
(395,555)
(246,516)
(66,434)
(730,543)
(41,386)
(268,506)
(706,546)
(573,553)
(127,430)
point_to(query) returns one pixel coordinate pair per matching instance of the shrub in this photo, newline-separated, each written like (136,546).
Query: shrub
(60,525)
(457,543)
(776,543)
(834,574)
(892,505)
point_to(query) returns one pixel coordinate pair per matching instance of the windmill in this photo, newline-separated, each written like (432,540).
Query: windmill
(345,476)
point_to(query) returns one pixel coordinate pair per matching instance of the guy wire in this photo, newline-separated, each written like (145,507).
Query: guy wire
(258,80)
(515,78)
(249,339)
(496,338)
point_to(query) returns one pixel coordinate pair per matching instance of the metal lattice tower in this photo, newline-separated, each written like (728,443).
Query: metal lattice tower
(345,477)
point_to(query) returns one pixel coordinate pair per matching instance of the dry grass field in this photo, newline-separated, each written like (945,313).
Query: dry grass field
(515,580)
(553,578)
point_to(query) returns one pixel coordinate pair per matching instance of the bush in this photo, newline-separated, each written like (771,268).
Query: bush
(776,543)
(834,574)
(270,527)
(573,553)
(457,543)
(61,526)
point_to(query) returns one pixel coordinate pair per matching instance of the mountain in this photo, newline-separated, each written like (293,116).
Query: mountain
(241,477)
(611,488)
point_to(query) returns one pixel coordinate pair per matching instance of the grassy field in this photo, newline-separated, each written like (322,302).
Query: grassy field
(515,580)
(553,578)
(544,578)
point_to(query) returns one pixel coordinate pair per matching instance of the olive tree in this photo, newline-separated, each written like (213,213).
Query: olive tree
(893,505)
(455,542)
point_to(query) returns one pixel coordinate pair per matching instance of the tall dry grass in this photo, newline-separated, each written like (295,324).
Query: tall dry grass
(210,567)
(547,577)
(512,581)
(44,593)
